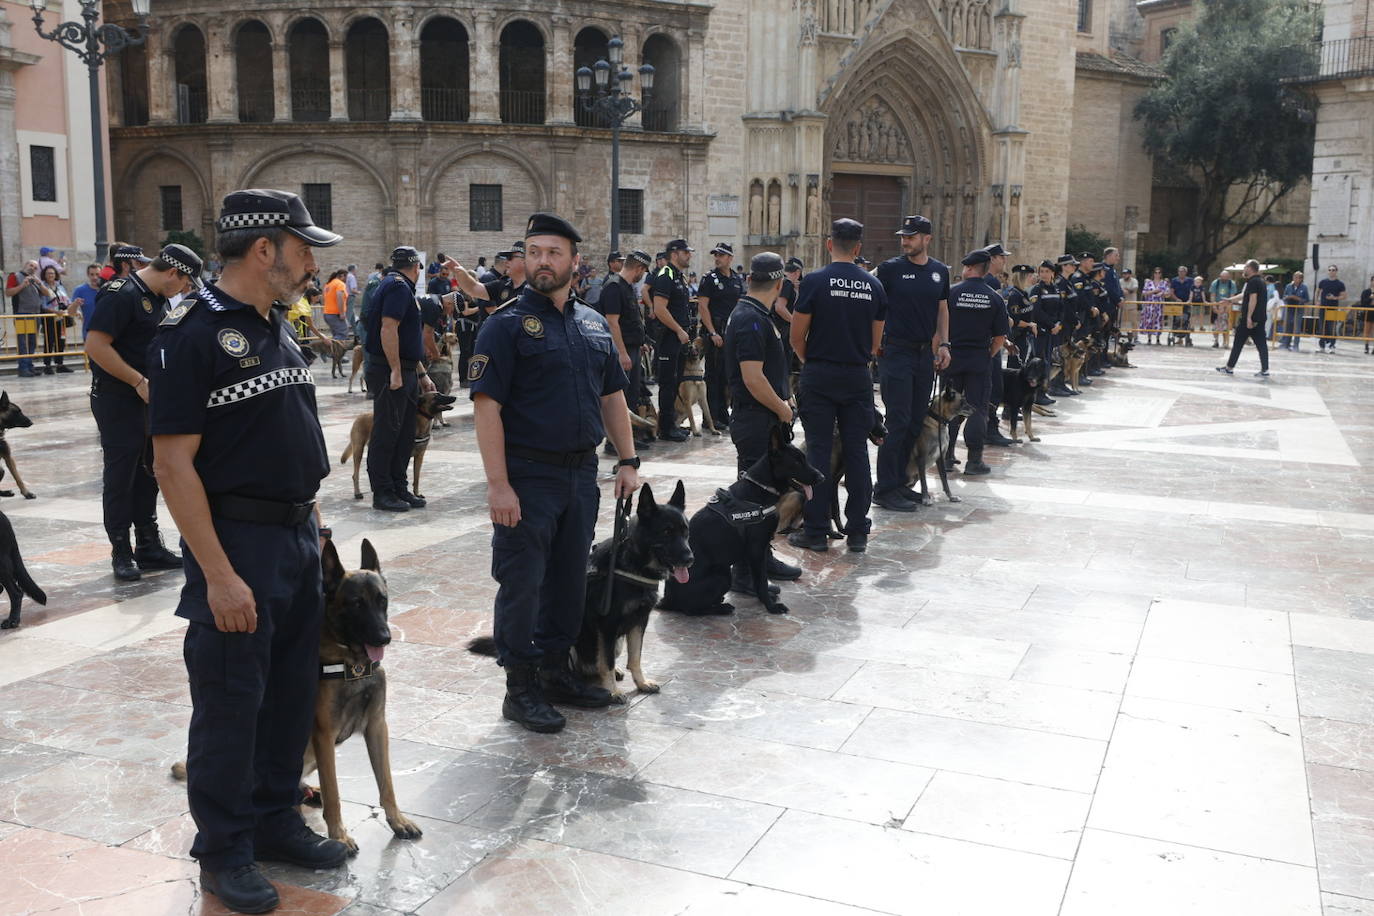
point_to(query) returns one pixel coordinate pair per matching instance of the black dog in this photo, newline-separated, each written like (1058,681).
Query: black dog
(653,546)
(14,578)
(737,526)
(11,417)
(1019,388)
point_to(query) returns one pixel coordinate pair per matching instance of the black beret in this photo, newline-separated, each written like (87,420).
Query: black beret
(766,265)
(404,254)
(977,256)
(916,225)
(679,245)
(548,224)
(847,230)
(641,257)
(724,248)
(267,209)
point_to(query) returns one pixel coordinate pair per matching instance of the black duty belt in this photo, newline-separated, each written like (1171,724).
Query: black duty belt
(557,459)
(262,511)
(906,341)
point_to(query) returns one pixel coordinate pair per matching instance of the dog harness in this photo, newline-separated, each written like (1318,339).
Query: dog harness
(740,513)
(692,378)
(341,672)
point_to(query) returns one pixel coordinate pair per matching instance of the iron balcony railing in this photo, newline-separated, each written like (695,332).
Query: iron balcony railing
(191,105)
(256,107)
(310,103)
(369,104)
(660,117)
(444,104)
(1343,58)
(521,106)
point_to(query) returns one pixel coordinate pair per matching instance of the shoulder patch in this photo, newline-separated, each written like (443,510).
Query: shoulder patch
(532,326)
(233,342)
(114,285)
(476,366)
(182,309)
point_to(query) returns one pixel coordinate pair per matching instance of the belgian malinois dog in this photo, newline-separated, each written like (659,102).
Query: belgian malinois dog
(11,417)
(932,444)
(691,390)
(432,404)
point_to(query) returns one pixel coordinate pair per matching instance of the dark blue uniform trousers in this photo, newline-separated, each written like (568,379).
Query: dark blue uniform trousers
(252,694)
(129,491)
(838,393)
(749,431)
(968,372)
(393,428)
(994,388)
(717,396)
(669,357)
(906,372)
(541,563)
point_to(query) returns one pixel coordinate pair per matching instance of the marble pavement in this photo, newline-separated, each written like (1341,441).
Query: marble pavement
(1132,672)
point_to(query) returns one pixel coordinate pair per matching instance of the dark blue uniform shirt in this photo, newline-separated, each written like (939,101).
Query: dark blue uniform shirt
(1020,307)
(499,292)
(914,292)
(669,283)
(219,370)
(843,301)
(751,336)
(395,298)
(129,312)
(1113,285)
(618,298)
(976,316)
(1048,303)
(722,289)
(548,370)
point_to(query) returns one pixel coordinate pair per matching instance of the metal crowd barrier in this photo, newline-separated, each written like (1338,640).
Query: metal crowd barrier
(1348,321)
(13,326)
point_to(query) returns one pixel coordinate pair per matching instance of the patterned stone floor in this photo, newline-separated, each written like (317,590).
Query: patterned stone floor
(1129,674)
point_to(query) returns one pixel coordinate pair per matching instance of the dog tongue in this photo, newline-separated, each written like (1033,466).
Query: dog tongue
(375,653)
(680,574)
(807,490)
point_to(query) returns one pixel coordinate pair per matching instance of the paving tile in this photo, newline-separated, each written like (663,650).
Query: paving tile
(970,654)
(1074,668)
(1338,744)
(997,812)
(104,724)
(1240,689)
(109,801)
(1340,905)
(65,871)
(1320,632)
(1332,684)
(1218,634)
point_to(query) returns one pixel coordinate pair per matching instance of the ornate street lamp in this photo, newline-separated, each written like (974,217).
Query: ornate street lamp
(611,101)
(93,42)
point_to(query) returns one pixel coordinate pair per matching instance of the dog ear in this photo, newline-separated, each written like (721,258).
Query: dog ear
(679,499)
(647,506)
(331,567)
(370,560)
(4,399)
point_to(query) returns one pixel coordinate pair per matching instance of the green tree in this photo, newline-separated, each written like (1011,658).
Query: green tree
(1079,239)
(1223,115)
(185,237)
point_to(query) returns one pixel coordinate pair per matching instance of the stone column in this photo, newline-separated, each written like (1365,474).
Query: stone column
(160,73)
(484,80)
(558,74)
(221,82)
(10,191)
(281,81)
(338,82)
(405,67)
(222,180)
(406,184)
(693,81)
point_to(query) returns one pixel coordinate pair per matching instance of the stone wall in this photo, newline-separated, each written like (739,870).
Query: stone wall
(1047,106)
(1110,171)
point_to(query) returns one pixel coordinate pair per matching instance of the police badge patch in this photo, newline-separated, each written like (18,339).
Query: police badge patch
(476,366)
(147,306)
(533,326)
(233,342)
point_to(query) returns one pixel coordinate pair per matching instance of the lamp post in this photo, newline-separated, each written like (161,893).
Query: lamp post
(93,42)
(611,100)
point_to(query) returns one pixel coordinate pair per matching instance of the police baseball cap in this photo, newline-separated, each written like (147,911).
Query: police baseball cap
(548,224)
(679,245)
(996,250)
(185,260)
(847,230)
(795,263)
(1099,268)
(131,253)
(1066,259)
(977,256)
(724,248)
(267,209)
(641,257)
(765,266)
(661,256)
(503,256)
(1050,264)
(1086,256)
(404,256)
(518,245)
(614,256)
(916,225)
(1024,269)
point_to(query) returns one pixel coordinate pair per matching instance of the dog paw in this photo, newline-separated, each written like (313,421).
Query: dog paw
(357,496)
(6,492)
(619,674)
(618,698)
(776,607)
(647,686)
(697,434)
(404,827)
(347,840)
(927,500)
(28,495)
(956,499)
(9,623)
(1035,438)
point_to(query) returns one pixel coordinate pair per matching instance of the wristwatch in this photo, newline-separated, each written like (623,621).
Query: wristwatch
(944,346)
(632,462)
(327,533)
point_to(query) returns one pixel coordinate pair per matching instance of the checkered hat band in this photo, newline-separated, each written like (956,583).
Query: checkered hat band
(252,220)
(776,274)
(184,268)
(129,256)
(259,384)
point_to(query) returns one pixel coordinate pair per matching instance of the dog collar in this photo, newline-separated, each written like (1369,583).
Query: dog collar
(693,378)
(642,580)
(762,486)
(341,672)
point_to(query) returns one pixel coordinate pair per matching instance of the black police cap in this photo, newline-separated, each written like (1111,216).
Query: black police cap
(184,260)
(862,261)
(795,263)
(977,256)
(724,248)
(846,230)
(765,266)
(1099,268)
(404,256)
(679,245)
(614,256)
(259,208)
(1024,269)
(641,257)
(131,253)
(1086,256)
(518,245)
(1050,264)
(661,256)
(996,250)
(503,255)
(1066,259)
(548,224)
(916,225)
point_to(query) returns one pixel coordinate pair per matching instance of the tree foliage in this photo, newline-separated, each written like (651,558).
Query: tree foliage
(185,237)
(1223,116)
(1079,238)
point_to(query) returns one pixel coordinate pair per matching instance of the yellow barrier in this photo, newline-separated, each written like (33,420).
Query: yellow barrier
(27,325)
(1348,315)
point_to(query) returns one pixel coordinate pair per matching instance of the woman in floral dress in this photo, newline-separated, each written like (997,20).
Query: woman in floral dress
(1152,312)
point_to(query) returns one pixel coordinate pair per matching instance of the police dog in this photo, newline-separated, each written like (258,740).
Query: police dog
(947,405)
(440,369)
(791,505)
(14,578)
(1019,387)
(652,548)
(11,417)
(1121,356)
(432,405)
(691,390)
(737,526)
(335,350)
(357,359)
(1073,354)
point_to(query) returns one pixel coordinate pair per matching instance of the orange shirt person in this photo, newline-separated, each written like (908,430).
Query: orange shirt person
(336,305)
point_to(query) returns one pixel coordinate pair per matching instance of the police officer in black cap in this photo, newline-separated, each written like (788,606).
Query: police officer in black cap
(836,329)
(997,264)
(625,316)
(914,346)
(670,296)
(977,329)
(782,313)
(1047,302)
(492,294)
(546,387)
(720,289)
(127,313)
(240,455)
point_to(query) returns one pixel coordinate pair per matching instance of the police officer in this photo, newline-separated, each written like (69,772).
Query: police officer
(670,296)
(240,455)
(546,387)
(1067,283)
(1048,305)
(492,294)
(128,310)
(997,264)
(625,317)
(1099,318)
(720,289)
(395,377)
(977,329)
(917,287)
(837,327)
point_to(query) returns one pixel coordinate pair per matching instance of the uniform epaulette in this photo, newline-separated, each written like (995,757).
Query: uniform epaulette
(182,309)
(114,285)
(503,305)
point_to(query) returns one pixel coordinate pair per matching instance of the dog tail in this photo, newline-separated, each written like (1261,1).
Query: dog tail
(26,583)
(482,645)
(348,453)
(179,771)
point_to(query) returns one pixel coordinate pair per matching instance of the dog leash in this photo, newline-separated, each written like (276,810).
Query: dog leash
(622,517)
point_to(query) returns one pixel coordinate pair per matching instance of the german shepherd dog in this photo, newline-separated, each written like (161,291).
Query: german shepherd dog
(1019,387)
(11,417)
(1073,354)
(737,526)
(931,443)
(352,692)
(335,350)
(440,369)
(652,547)
(14,578)
(432,405)
(1121,356)
(691,390)
(792,503)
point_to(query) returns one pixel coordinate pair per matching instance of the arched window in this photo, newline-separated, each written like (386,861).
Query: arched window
(589,47)
(367,59)
(444,70)
(252,58)
(522,74)
(188,57)
(308,49)
(133,84)
(661,113)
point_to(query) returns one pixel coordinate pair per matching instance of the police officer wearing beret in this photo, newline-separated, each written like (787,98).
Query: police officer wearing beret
(977,330)
(127,313)
(1047,303)
(395,378)
(625,317)
(914,346)
(670,297)
(837,328)
(547,387)
(997,263)
(240,455)
(717,295)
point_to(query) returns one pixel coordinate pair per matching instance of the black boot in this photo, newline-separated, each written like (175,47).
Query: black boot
(525,703)
(560,684)
(742,582)
(242,889)
(149,552)
(783,572)
(122,559)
